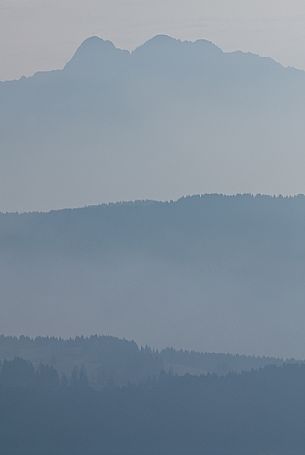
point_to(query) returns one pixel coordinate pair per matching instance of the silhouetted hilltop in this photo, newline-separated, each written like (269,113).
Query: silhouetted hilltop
(209,273)
(96,55)
(161,45)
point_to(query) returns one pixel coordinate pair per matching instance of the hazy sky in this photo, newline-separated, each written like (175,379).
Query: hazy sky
(42,34)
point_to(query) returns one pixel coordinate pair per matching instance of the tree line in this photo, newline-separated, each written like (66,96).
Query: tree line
(253,413)
(113,361)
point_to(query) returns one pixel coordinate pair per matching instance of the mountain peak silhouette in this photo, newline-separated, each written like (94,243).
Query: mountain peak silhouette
(94,52)
(161,40)
(166,46)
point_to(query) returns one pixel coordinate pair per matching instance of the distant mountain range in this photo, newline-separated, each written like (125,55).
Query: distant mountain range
(209,273)
(168,119)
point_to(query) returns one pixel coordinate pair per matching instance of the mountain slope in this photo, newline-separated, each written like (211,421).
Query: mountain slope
(168,119)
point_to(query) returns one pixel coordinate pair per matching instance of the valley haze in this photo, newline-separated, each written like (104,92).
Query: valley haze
(212,273)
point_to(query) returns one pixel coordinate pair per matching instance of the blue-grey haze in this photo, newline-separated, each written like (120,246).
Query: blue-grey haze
(212,273)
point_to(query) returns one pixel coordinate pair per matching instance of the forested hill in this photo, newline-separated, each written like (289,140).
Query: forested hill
(259,412)
(209,273)
(111,361)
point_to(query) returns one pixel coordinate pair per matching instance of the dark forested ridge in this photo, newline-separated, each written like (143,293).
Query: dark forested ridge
(111,361)
(207,273)
(253,413)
